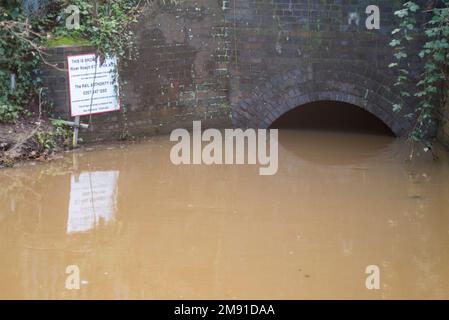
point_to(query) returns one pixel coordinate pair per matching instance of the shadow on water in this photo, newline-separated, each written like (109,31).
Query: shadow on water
(333,133)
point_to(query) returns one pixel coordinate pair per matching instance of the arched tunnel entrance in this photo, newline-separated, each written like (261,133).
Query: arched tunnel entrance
(332,116)
(332,133)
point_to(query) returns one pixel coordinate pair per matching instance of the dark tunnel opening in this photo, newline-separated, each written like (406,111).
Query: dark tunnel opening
(332,116)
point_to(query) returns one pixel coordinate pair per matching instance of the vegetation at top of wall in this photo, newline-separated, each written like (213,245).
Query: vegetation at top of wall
(430,21)
(62,41)
(106,24)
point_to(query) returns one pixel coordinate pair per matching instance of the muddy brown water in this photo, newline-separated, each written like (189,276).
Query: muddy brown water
(137,226)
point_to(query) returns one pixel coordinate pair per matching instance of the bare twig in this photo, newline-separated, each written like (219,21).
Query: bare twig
(24,35)
(24,140)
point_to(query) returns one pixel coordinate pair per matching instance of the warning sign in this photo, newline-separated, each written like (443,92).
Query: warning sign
(93,86)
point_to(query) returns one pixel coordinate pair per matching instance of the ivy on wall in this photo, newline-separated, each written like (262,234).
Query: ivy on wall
(423,33)
(107,25)
(20,58)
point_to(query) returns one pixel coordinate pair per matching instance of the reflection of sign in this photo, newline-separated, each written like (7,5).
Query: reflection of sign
(93,87)
(92,200)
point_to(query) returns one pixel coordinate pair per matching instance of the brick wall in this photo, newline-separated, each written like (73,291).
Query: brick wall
(181,74)
(287,53)
(255,59)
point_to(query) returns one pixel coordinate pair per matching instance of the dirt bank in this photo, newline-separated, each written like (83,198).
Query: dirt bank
(30,138)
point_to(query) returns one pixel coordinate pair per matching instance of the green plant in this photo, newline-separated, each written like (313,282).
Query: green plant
(107,25)
(21,56)
(45,140)
(18,61)
(61,132)
(49,139)
(9,113)
(432,82)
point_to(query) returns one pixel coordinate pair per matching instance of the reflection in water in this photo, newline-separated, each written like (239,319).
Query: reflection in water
(339,203)
(92,200)
(339,149)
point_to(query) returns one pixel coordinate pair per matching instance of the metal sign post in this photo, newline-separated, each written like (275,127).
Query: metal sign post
(13,82)
(76,132)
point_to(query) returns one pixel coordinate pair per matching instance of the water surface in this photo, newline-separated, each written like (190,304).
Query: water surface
(139,227)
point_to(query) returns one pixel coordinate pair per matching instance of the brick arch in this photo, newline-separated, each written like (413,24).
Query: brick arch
(367,90)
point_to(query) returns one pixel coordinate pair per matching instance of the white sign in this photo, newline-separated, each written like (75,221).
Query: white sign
(93,87)
(92,200)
